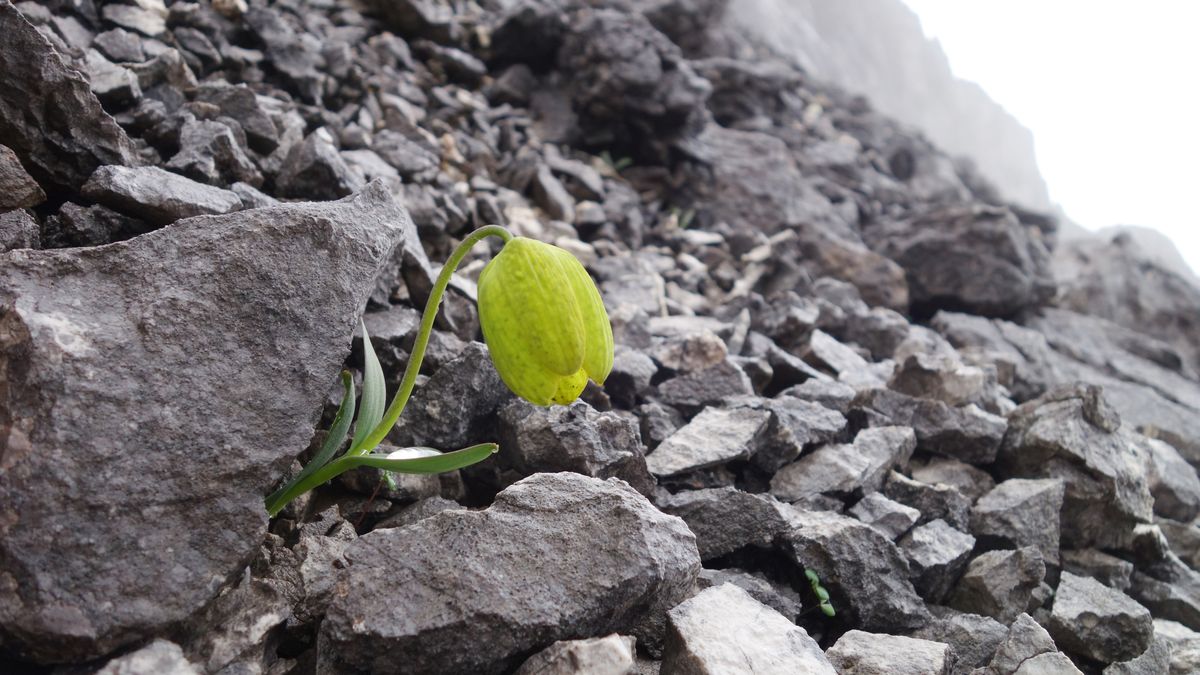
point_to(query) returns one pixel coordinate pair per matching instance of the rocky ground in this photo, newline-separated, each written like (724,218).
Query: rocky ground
(839,350)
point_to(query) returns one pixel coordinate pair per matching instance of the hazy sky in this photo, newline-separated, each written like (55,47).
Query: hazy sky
(1111,91)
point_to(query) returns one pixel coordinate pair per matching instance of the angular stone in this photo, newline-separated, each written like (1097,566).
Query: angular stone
(1107,569)
(552,197)
(520,575)
(858,468)
(160,657)
(116,87)
(211,152)
(18,190)
(866,574)
(1072,434)
(693,391)
(1026,640)
(861,653)
(726,519)
(1020,512)
(1185,646)
(891,518)
(1173,482)
(1169,589)
(715,436)
(48,113)
(973,638)
(793,426)
(1101,623)
(1156,659)
(157,196)
(724,630)
(999,584)
(937,554)
(932,501)
(18,229)
(1050,663)
(240,103)
(780,598)
(93,348)
(571,438)
(940,378)
(314,170)
(611,655)
(428,507)
(143,19)
(969,433)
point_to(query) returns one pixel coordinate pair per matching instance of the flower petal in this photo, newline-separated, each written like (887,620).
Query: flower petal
(597,330)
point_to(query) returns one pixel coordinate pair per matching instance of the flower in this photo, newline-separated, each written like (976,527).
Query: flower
(544,322)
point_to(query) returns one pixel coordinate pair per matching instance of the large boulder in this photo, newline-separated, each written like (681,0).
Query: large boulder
(153,391)
(516,577)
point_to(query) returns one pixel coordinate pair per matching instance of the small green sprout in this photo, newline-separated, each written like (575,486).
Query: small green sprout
(546,329)
(618,165)
(818,590)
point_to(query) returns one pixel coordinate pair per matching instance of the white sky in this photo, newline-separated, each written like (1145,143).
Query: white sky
(1111,91)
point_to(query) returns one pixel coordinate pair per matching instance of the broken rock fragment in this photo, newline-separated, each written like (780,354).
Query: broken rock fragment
(158,196)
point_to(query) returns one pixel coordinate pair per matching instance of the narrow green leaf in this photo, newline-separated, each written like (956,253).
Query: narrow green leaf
(374,395)
(333,440)
(436,464)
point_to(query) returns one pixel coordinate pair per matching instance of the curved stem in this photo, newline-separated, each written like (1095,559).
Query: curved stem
(373,439)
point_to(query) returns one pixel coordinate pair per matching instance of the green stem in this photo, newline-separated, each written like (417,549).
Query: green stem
(373,439)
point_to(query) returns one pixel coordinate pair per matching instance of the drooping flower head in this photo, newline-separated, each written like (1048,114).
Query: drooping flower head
(544,322)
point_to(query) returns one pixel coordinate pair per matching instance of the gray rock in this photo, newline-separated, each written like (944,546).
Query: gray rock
(157,196)
(551,196)
(1156,660)
(689,352)
(75,225)
(973,483)
(425,508)
(861,653)
(858,468)
(315,170)
(1020,512)
(1170,589)
(715,436)
(891,518)
(932,501)
(1185,646)
(115,86)
(726,519)
(94,346)
(48,113)
(1026,640)
(18,229)
(212,152)
(999,584)
(1173,482)
(780,598)
(630,377)
(611,655)
(833,395)
(969,433)
(1072,434)
(239,103)
(18,190)
(937,554)
(1022,357)
(240,627)
(519,576)
(866,575)
(794,425)
(142,19)
(973,638)
(1050,663)
(939,377)
(1183,538)
(1107,569)
(970,256)
(160,657)
(1101,623)
(120,45)
(571,438)
(693,391)
(723,630)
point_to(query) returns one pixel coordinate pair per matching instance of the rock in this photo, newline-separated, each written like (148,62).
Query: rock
(861,653)
(968,433)
(1185,646)
(1072,434)
(211,152)
(115,86)
(160,657)
(94,346)
(716,436)
(867,577)
(48,113)
(1024,360)
(794,425)
(973,483)
(973,638)
(1025,641)
(158,196)
(143,19)
(240,627)
(1107,569)
(937,554)
(294,57)
(425,508)
(314,170)
(18,229)
(931,501)
(240,104)
(119,45)
(969,257)
(940,378)
(999,584)
(611,655)
(630,377)
(629,84)
(724,630)
(693,391)
(1156,659)
(1020,512)
(1050,663)
(1173,482)
(726,519)
(1169,589)
(18,190)
(860,467)
(521,575)
(552,197)
(780,598)
(1101,623)
(891,518)
(571,438)
(75,225)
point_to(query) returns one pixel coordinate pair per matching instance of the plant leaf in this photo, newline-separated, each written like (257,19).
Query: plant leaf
(333,440)
(441,463)
(374,394)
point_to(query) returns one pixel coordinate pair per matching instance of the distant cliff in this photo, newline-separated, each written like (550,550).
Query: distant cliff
(877,48)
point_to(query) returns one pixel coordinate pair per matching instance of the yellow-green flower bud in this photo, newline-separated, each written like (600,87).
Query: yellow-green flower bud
(544,322)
